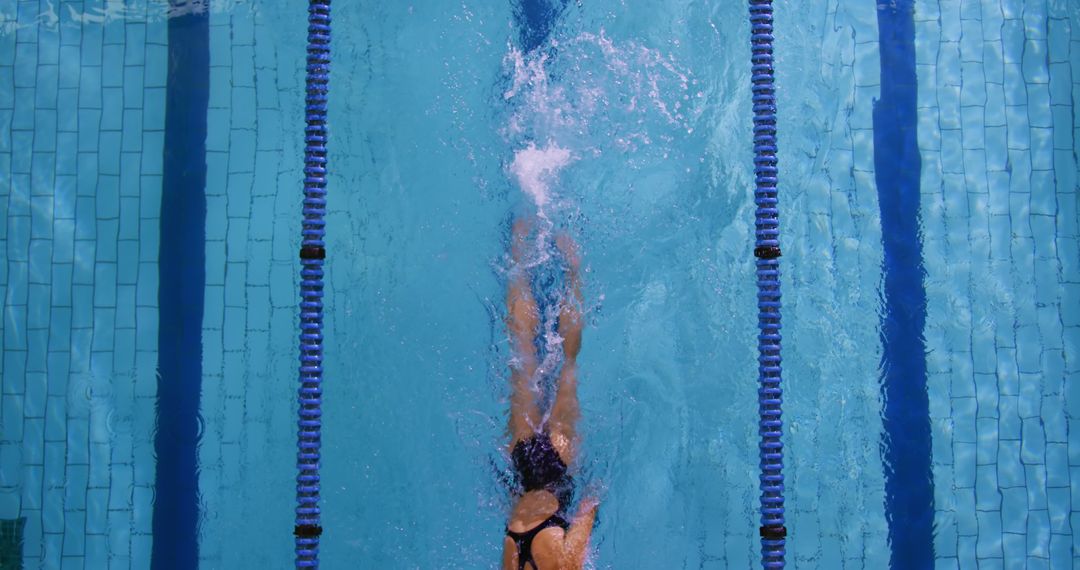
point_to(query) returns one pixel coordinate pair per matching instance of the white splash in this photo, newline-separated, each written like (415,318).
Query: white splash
(537,168)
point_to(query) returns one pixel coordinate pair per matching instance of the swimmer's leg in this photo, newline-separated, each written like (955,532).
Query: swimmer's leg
(565,411)
(522,321)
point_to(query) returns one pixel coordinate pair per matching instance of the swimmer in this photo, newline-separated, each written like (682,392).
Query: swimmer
(538,534)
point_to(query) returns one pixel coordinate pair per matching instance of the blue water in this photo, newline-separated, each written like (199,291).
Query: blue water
(625,125)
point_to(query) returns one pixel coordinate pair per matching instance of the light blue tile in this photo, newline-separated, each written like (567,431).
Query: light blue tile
(7,49)
(80,346)
(59,364)
(36,389)
(948,107)
(1038,534)
(109,154)
(220,46)
(1035,16)
(114,32)
(238,233)
(1010,468)
(146,295)
(220,87)
(964,455)
(986,390)
(74,534)
(120,536)
(33,443)
(134,53)
(1012,39)
(266,90)
(45,91)
(89,88)
(243,108)
(243,28)
(1060,92)
(242,149)
(282,290)
(125,312)
(1033,447)
(112,110)
(67,145)
(107,201)
(68,67)
(22,145)
(144,460)
(104,325)
(99,464)
(141,545)
(1061,553)
(989,541)
(132,132)
(940,563)
(107,229)
(37,316)
(1058,500)
(215,299)
(25,67)
(971,33)
(37,343)
(31,495)
(130,186)
(217,135)
(973,91)
(7,88)
(965,550)
(1057,465)
(146,373)
(234,336)
(133,87)
(97,551)
(89,120)
(1035,63)
(217,224)
(48,44)
(1014,511)
(11,452)
(996,152)
(1035,476)
(143,510)
(112,67)
(1042,153)
(964,410)
(987,497)
(52,543)
(235,279)
(128,262)
(153,143)
(156,71)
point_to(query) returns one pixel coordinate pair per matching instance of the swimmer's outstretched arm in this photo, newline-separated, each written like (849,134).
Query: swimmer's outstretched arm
(565,409)
(522,320)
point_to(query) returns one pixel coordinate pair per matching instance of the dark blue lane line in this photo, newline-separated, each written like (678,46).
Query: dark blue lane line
(906,444)
(182,279)
(535,20)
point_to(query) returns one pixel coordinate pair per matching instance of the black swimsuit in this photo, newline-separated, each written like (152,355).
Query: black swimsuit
(539,467)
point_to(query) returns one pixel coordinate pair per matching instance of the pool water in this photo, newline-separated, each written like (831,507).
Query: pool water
(626,125)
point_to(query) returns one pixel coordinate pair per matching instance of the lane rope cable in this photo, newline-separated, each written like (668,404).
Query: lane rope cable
(767,251)
(308,528)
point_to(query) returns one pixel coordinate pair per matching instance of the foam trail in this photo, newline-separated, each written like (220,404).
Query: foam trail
(536,169)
